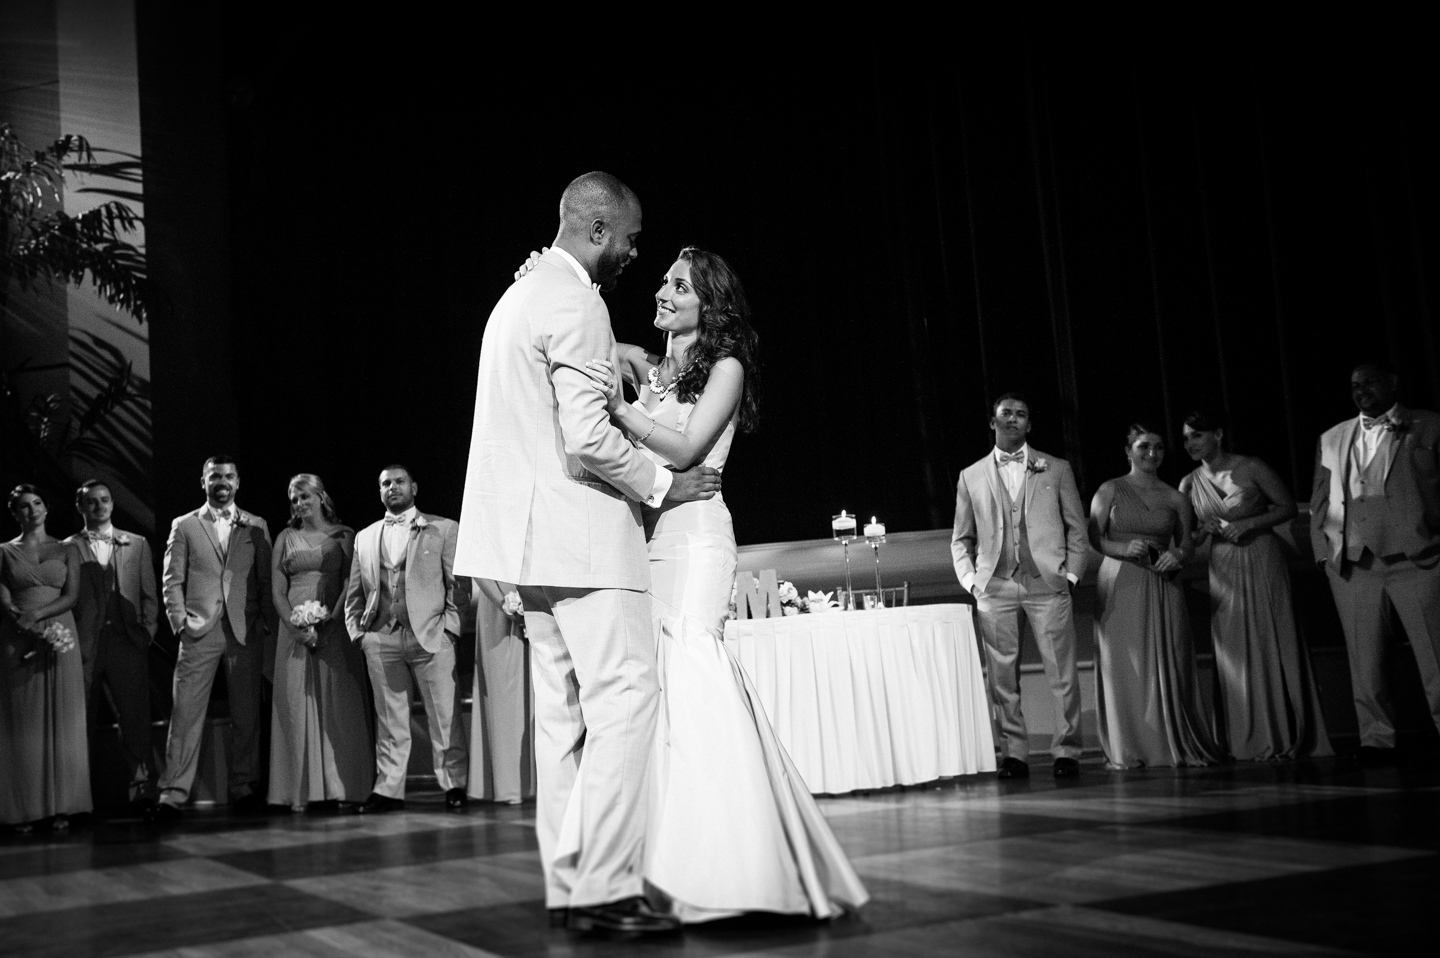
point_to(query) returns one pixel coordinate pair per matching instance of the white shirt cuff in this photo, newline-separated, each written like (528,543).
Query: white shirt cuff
(663,478)
(1074,579)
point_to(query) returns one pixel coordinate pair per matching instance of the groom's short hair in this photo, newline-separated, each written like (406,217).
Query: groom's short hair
(594,196)
(397,467)
(219,459)
(1018,397)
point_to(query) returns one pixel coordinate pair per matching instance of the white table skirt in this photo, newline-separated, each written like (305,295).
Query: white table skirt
(872,699)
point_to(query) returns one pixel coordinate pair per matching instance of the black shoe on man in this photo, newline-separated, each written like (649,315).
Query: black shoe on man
(1012,767)
(379,803)
(1066,768)
(630,916)
(251,805)
(163,813)
(1373,756)
(455,798)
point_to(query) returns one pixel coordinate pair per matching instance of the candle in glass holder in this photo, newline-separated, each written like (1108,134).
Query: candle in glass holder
(843,525)
(874,529)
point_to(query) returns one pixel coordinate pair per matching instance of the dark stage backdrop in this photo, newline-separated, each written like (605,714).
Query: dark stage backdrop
(1121,223)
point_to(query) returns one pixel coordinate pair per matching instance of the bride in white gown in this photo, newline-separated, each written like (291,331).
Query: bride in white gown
(732,827)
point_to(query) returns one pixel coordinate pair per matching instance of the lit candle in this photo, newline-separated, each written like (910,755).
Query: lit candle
(874,529)
(843,524)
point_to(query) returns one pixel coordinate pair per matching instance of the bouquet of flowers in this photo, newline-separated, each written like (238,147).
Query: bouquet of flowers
(305,617)
(791,603)
(512,606)
(821,601)
(54,634)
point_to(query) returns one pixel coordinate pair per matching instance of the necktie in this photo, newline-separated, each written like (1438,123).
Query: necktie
(1005,459)
(1378,422)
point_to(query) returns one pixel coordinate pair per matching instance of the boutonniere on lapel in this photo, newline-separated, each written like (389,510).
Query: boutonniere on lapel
(418,524)
(121,539)
(241,519)
(1037,465)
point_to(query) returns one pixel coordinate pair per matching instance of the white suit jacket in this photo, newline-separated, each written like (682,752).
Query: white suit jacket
(1054,519)
(553,488)
(201,583)
(430,586)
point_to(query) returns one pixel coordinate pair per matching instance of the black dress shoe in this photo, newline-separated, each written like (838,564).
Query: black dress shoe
(1014,768)
(1375,756)
(631,916)
(456,798)
(1066,768)
(379,803)
(249,805)
(559,917)
(163,812)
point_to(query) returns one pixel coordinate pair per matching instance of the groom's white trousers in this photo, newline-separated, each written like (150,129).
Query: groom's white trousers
(592,656)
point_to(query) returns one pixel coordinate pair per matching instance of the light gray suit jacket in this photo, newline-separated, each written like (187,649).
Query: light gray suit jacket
(553,488)
(1054,519)
(135,581)
(430,585)
(1412,480)
(201,584)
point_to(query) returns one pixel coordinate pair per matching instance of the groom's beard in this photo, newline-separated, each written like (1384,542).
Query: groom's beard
(608,269)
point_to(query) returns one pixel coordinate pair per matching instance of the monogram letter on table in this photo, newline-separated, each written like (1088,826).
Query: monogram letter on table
(757,600)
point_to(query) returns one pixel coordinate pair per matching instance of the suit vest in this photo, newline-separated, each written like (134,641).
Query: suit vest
(114,606)
(1015,539)
(391,612)
(1368,517)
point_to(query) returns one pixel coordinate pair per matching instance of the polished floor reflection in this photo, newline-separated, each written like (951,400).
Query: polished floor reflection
(1319,858)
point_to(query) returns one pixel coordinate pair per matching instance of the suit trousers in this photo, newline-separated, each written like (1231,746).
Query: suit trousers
(1001,607)
(597,695)
(194,678)
(1364,595)
(391,659)
(120,670)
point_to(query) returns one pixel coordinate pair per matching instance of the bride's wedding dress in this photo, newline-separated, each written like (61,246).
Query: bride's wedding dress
(732,827)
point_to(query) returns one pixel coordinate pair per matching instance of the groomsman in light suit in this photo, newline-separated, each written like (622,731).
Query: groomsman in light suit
(1375,529)
(217,598)
(400,605)
(1018,547)
(552,504)
(116,617)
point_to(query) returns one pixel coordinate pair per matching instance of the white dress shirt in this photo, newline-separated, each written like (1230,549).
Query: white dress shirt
(1013,473)
(396,536)
(1368,441)
(224,523)
(103,548)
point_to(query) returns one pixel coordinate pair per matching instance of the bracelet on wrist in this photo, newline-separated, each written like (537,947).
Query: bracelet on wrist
(650,430)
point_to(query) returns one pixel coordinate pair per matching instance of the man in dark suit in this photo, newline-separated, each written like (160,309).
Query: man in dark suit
(217,598)
(116,617)
(1375,529)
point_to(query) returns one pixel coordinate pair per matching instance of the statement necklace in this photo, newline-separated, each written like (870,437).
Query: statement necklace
(668,388)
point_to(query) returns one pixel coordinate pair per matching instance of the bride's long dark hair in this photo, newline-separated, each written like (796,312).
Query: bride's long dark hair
(724,331)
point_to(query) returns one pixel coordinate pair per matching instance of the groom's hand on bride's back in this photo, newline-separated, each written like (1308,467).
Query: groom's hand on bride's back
(700,482)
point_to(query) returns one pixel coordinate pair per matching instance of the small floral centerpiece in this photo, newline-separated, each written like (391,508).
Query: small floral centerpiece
(791,602)
(821,601)
(305,617)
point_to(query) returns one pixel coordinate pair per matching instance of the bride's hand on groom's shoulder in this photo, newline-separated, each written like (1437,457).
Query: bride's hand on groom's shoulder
(529,263)
(699,482)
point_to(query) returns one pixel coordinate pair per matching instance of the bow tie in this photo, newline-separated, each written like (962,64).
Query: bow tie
(100,536)
(223,516)
(1379,422)
(1004,459)
(396,521)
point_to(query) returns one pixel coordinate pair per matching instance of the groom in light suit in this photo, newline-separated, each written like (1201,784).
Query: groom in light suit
(1018,547)
(552,504)
(400,606)
(1375,529)
(217,598)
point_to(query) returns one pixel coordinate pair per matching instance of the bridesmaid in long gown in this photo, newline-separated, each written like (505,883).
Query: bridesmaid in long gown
(322,748)
(1148,703)
(732,827)
(44,756)
(1269,710)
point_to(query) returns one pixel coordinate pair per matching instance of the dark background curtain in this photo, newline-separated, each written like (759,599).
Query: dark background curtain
(1123,222)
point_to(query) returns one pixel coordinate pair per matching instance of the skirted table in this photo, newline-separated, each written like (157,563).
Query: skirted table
(871,699)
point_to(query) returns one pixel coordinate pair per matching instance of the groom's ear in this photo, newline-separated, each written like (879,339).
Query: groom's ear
(598,229)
